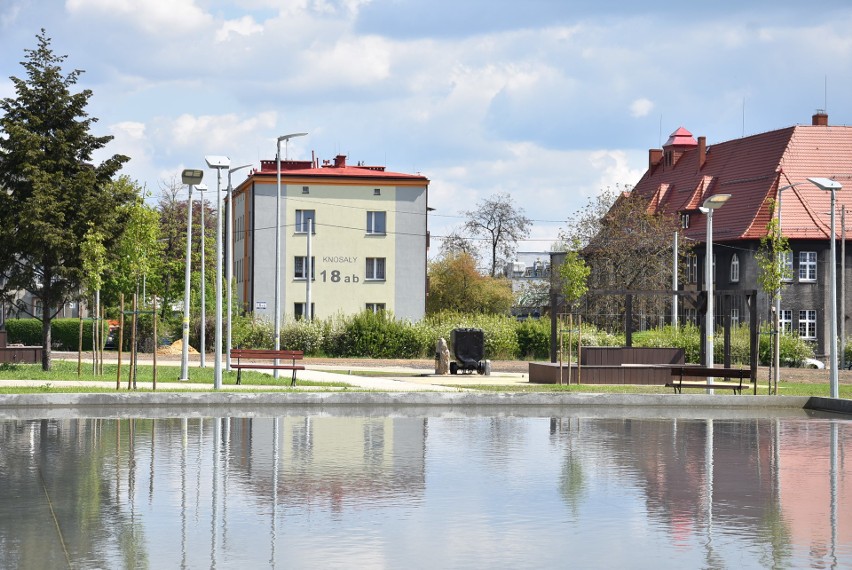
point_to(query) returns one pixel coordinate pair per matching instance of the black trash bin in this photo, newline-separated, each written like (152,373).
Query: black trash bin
(468,350)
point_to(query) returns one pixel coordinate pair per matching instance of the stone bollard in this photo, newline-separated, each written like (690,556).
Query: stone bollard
(442,357)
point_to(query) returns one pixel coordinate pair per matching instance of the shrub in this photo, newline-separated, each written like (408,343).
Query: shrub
(24,331)
(533,339)
(252,332)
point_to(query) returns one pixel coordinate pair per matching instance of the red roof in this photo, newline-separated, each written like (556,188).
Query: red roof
(331,169)
(681,137)
(752,169)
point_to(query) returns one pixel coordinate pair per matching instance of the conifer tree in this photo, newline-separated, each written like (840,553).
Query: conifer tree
(51,193)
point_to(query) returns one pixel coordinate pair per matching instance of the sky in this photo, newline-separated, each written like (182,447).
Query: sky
(548,101)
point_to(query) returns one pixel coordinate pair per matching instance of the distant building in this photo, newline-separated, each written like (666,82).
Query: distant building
(529,275)
(755,170)
(368,242)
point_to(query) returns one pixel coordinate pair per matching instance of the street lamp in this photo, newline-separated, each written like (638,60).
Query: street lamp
(831,186)
(277,332)
(710,204)
(203,332)
(190,177)
(229,262)
(219,163)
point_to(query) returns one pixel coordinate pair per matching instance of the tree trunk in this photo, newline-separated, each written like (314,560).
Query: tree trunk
(46,340)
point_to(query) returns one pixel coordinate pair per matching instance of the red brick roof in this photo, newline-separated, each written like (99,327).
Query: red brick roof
(752,169)
(331,169)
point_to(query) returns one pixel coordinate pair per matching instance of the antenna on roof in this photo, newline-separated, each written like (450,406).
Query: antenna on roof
(825,94)
(743,117)
(660,136)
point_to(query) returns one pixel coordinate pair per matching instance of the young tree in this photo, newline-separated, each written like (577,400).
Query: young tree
(501,223)
(574,277)
(773,272)
(52,192)
(456,285)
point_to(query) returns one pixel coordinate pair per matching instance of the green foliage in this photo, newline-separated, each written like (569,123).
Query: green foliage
(686,337)
(456,285)
(770,257)
(24,331)
(252,332)
(54,192)
(574,276)
(533,339)
(378,335)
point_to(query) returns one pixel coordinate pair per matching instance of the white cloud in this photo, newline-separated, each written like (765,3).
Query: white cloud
(641,107)
(161,17)
(245,26)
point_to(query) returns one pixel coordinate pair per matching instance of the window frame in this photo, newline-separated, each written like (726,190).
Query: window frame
(299,262)
(808,321)
(372,216)
(376,308)
(302,221)
(786,324)
(808,265)
(372,269)
(788,264)
(735,268)
(299,310)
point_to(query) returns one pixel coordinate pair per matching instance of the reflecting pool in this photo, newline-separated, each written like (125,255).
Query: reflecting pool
(433,488)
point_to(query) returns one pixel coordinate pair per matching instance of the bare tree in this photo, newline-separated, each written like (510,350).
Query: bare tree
(501,223)
(455,243)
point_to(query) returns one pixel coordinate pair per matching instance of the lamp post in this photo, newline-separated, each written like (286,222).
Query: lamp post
(832,186)
(219,163)
(229,262)
(190,177)
(710,204)
(203,332)
(277,333)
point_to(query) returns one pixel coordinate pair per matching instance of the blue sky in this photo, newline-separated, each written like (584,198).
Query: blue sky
(547,100)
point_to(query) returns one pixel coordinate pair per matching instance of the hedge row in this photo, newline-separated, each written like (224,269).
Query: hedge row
(369,335)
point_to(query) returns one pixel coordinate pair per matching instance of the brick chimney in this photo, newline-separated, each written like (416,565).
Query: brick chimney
(340,161)
(702,152)
(655,155)
(820,118)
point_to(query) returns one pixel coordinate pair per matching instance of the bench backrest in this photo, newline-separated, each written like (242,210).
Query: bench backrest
(264,353)
(715,372)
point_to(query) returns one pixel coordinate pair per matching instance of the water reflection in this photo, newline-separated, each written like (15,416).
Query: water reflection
(450,489)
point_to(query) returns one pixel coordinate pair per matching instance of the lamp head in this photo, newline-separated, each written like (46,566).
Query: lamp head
(291,136)
(191,176)
(202,187)
(716,201)
(825,183)
(218,161)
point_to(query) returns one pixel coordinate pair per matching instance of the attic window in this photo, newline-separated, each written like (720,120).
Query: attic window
(684,221)
(668,157)
(306,189)
(377,192)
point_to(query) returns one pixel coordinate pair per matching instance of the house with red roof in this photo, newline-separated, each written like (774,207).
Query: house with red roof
(756,170)
(368,239)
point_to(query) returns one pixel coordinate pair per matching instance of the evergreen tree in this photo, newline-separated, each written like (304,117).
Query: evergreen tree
(52,193)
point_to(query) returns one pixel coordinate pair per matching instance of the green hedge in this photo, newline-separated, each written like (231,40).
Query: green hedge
(65,333)
(368,335)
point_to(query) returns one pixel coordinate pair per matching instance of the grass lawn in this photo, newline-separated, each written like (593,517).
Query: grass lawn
(66,371)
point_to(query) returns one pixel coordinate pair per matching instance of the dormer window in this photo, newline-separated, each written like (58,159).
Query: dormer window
(684,221)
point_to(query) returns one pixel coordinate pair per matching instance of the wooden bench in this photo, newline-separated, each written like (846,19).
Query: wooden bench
(256,354)
(743,375)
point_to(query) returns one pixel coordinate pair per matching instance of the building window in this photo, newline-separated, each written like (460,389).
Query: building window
(376,223)
(377,191)
(788,265)
(735,317)
(299,311)
(786,321)
(807,324)
(735,268)
(689,315)
(684,221)
(306,189)
(376,307)
(302,217)
(375,269)
(807,265)
(299,267)
(692,269)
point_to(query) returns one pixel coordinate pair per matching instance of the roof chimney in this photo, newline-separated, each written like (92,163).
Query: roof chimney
(655,155)
(820,118)
(340,161)
(702,152)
